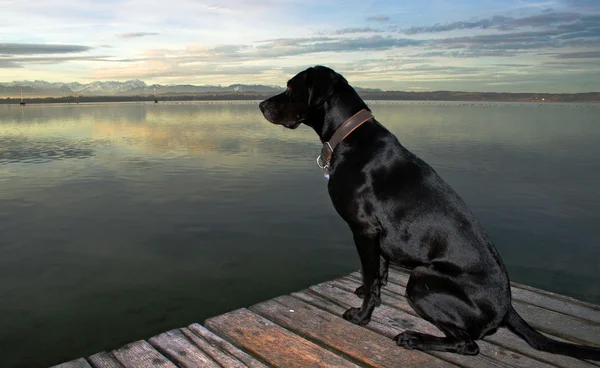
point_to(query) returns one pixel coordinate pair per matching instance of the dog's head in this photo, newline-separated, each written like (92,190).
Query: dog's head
(306,93)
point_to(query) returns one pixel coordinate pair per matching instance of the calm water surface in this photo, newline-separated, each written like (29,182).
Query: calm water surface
(119,221)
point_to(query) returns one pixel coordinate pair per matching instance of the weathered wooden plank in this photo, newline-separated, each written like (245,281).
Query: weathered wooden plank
(351,340)
(578,310)
(527,294)
(501,338)
(564,298)
(219,356)
(141,354)
(558,324)
(510,341)
(223,345)
(390,322)
(104,360)
(273,344)
(180,350)
(77,363)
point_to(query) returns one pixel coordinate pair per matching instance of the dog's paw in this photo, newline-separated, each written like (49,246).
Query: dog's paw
(408,340)
(360,292)
(355,316)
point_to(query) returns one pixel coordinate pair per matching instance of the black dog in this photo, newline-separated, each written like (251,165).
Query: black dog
(400,210)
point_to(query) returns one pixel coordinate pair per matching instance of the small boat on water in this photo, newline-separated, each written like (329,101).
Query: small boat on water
(22,102)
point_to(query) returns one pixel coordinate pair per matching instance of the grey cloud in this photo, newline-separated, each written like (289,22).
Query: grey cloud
(545,20)
(468,53)
(567,22)
(589,64)
(578,55)
(534,40)
(378,18)
(274,49)
(583,4)
(55,60)
(229,49)
(18,62)
(508,65)
(292,41)
(483,24)
(34,49)
(358,30)
(8,64)
(503,23)
(518,40)
(137,34)
(517,35)
(437,69)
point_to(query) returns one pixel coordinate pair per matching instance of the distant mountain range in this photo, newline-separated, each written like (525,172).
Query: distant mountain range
(128,88)
(137,90)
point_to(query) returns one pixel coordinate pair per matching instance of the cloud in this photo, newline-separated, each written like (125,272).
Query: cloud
(137,35)
(583,32)
(359,30)
(62,59)
(33,49)
(378,18)
(505,41)
(511,65)
(467,53)
(583,4)
(579,55)
(566,21)
(9,64)
(229,49)
(506,23)
(591,65)
(482,24)
(303,46)
(294,41)
(19,62)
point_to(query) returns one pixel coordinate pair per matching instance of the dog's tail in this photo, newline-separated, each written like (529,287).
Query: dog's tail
(540,342)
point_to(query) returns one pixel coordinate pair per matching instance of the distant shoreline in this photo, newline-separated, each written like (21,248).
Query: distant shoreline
(389,95)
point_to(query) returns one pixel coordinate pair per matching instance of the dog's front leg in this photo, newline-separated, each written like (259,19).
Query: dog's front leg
(368,250)
(383,273)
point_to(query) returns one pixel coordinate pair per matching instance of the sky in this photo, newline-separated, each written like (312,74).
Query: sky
(463,45)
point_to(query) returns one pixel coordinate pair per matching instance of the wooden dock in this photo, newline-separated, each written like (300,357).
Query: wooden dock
(305,329)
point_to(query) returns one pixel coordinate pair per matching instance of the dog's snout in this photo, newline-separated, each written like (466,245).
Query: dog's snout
(261,106)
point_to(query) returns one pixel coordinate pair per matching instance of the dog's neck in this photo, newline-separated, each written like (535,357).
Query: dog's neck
(337,110)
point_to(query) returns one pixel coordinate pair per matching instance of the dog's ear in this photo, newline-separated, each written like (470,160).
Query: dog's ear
(321,82)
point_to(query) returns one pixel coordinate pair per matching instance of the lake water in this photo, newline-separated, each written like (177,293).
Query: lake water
(120,221)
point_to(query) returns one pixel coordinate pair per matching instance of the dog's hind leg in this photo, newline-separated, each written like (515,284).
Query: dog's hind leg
(368,250)
(439,299)
(383,271)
